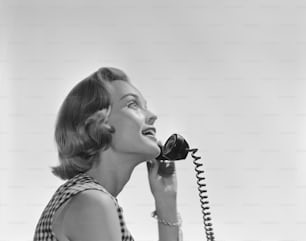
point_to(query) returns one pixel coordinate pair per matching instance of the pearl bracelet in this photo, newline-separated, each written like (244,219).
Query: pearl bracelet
(176,224)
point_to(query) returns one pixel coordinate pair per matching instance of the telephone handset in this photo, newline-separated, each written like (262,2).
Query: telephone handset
(176,148)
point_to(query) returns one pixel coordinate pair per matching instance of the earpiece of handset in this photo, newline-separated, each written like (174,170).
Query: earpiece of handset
(175,148)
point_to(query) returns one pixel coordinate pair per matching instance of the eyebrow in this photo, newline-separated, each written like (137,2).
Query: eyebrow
(134,95)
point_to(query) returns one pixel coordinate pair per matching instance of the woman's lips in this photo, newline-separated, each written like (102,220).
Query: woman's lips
(152,137)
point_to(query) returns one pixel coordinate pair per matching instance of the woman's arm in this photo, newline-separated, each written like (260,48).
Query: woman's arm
(92,216)
(164,190)
(168,213)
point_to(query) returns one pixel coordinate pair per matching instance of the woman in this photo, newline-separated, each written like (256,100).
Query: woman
(103,131)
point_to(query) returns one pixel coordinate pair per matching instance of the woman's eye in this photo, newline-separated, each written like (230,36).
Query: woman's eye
(132,104)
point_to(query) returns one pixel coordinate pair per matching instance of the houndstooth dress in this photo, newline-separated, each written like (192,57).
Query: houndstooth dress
(73,186)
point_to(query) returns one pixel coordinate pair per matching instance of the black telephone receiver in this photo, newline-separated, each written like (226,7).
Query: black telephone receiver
(176,148)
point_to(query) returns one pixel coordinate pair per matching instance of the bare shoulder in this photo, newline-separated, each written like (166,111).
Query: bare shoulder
(94,197)
(92,215)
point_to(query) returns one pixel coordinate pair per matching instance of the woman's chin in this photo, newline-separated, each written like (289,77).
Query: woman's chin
(153,149)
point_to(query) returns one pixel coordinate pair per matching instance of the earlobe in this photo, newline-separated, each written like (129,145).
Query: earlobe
(110,128)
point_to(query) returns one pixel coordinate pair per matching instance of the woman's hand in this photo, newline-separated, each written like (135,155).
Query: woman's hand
(164,189)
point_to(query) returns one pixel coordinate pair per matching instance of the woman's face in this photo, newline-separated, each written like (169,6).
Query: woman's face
(132,122)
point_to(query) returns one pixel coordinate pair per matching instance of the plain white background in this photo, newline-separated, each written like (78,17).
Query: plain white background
(228,75)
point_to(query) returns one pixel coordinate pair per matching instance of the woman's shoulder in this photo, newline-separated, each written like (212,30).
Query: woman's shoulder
(90,215)
(91,198)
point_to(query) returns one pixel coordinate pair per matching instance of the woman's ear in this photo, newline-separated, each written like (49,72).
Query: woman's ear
(110,128)
(100,116)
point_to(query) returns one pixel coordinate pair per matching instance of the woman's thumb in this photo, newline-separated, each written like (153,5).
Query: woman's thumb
(152,166)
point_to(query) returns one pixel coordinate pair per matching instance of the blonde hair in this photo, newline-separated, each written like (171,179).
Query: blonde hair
(81,129)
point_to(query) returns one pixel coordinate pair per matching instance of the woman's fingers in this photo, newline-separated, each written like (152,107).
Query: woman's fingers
(161,168)
(166,168)
(153,167)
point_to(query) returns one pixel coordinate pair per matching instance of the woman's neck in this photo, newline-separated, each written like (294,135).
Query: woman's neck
(113,171)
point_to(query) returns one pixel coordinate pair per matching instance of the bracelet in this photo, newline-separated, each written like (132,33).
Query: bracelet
(176,224)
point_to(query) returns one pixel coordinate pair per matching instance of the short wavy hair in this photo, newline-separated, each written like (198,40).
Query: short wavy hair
(81,129)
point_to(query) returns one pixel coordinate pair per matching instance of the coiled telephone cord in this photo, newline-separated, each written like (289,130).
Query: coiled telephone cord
(203,196)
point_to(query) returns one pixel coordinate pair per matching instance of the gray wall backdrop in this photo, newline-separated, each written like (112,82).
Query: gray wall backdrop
(228,75)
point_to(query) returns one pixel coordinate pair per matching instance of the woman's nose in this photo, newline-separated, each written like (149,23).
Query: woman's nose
(151,117)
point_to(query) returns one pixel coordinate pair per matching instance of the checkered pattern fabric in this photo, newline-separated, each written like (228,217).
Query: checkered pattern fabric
(73,186)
